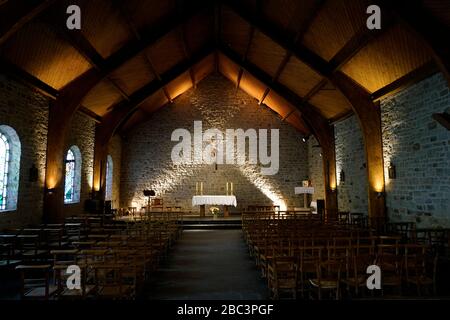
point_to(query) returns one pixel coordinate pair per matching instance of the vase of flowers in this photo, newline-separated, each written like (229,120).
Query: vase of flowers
(214,211)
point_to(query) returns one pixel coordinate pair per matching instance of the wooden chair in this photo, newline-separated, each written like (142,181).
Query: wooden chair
(360,258)
(35,281)
(391,262)
(109,282)
(421,268)
(282,277)
(328,278)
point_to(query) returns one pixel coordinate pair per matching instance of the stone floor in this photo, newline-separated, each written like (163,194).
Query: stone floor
(208,264)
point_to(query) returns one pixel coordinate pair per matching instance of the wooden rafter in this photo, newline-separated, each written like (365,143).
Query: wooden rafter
(407,80)
(301,30)
(184,42)
(267,80)
(360,40)
(30,80)
(79,42)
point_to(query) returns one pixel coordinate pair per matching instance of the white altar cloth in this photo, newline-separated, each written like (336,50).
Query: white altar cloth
(214,200)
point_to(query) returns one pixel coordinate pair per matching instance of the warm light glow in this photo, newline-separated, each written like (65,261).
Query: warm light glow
(338,178)
(164,183)
(89,179)
(378,185)
(51,182)
(263,184)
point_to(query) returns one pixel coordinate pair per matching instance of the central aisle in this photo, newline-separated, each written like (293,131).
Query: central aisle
(208,265)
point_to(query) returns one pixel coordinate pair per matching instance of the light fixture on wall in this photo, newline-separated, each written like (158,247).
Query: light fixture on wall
(342,176)
(392,174)
(50,191)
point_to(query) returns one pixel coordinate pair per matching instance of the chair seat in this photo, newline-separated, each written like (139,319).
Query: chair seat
(115,291)
(324,284)
(423,280)
(286,283)
(6,263)
(355,281)
(39,292)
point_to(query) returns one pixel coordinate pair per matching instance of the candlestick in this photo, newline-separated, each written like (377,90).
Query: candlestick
(231,193)
(196,188)
(227,187)
(201,188)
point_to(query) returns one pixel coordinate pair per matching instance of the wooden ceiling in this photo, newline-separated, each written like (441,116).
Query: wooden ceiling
(278,51)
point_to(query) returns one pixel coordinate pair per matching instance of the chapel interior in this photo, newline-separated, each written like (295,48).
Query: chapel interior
(118,181)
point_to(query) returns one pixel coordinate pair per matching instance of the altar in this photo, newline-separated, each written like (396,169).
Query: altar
(218,200)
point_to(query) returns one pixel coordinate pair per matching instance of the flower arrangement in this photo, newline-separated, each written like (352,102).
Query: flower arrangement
(214,211)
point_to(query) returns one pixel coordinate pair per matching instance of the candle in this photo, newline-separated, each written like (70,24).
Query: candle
(231,188)
(227,187)
(201,188)
(196,188)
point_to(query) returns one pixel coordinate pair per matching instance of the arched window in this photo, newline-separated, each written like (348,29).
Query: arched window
(72,175)
(109,178)
(4,162)
(10,150)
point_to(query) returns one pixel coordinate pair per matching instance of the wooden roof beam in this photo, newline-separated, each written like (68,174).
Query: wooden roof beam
(15,14)
(359,40)
(303,53)
(78,41)
(301,30)
(28,79)
(249,42)
(407,80)
(426,27)
(266,79)
(113,119)
(184,42)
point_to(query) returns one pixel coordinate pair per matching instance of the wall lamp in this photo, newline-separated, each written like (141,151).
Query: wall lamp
(391,171)
(50,191)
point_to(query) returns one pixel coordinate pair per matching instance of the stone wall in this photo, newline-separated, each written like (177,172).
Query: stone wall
(350,158)
(419,147)
(115,151)
(82,135)
(26,112)
(146,156)
(315,169)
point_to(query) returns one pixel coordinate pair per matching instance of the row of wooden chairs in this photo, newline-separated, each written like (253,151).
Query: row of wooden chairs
(305,257)
(113,259)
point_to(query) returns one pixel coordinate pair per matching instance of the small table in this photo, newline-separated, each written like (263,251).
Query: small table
(203,200)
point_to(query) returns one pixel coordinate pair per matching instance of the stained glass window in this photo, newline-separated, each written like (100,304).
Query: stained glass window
(4,167)
(109,178)
(69,188)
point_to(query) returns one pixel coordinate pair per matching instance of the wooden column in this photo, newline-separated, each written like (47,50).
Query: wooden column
(60,115)
(369,117)
(325,137)
(99,172)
